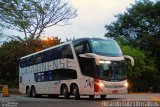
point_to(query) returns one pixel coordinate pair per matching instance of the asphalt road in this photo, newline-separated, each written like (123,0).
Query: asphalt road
(44,101)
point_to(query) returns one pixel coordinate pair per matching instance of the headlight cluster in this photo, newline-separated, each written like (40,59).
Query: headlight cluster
(126,84)
(101,84)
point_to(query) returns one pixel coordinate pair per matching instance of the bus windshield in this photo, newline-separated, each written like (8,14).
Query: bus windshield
(113,71)
(105,47)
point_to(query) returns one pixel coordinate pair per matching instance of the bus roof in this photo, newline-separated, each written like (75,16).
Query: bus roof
(87,38)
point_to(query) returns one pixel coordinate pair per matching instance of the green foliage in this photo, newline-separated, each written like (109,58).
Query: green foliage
(12,51)
(9,59)
(139,61)
(144,67)
(142,63)
(37,45)
(140,26)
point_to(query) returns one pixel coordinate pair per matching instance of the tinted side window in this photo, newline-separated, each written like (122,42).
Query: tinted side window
(27,61)
(82,47)
(88,66)
(38,59)
(66,52)
(48,76)
(58,74)
(47,56)
(64,74)
(39,77)
(50,55)
(43,76)
(53,54)
(31,60)
(56,53)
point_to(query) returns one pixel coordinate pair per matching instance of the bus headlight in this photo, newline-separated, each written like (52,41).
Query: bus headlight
(101,84)
(126,84)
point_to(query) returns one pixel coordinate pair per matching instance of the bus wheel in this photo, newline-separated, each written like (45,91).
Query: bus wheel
(91,96)
(65,92)
(28,91)
(76,92)
(103,96)
(33,92)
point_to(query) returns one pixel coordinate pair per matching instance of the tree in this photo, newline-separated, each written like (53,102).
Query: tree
(144,68)
(12,51)
(140,27)
(33,16)
(44,43)
(1,35)
(9,61)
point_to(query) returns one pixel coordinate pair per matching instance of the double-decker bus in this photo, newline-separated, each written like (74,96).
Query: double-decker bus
(86,66)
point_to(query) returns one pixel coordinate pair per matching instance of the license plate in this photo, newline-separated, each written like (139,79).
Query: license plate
(115,91)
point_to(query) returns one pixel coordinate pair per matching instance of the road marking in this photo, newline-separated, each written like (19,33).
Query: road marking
(155,98)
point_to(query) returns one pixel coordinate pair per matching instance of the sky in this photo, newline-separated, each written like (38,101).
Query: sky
(93,15)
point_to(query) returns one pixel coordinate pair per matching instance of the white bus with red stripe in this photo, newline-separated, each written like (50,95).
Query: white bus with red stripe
(86,66)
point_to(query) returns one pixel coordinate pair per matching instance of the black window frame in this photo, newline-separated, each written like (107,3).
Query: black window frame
(65,52)
(57,74)
(82,42)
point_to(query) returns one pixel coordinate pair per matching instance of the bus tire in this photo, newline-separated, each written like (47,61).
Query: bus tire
(28,91)
(91,96)
(103,96)
(65,91)
(33,92)
(76,92)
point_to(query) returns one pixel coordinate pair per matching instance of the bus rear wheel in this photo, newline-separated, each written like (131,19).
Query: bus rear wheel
(65,92)
(76,92)
(103,96)
(28,92)
(33,92)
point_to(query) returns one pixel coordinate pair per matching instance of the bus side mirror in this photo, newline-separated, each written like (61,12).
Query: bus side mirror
(131,58)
